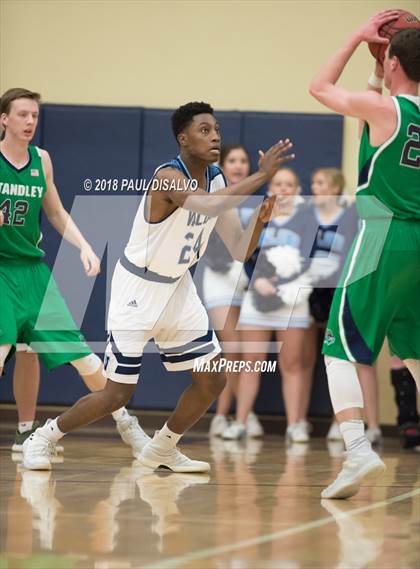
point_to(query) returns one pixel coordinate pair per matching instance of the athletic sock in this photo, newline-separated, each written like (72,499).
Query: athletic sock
(405,396)
(166,439)
(121,415)
(353,433)
(24,426)
(51,431)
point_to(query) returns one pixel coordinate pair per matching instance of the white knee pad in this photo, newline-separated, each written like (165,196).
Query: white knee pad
(4,350)
(87,365)
(413,367)
(343,383)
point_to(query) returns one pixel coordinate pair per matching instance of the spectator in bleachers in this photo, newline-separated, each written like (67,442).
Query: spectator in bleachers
(224,284)
(275,303)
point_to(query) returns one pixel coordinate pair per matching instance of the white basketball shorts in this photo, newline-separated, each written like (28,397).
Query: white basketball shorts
(171,314)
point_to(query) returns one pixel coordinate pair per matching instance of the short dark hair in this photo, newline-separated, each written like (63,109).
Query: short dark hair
(183,116)
(228,148)
(16,93)
(405,45)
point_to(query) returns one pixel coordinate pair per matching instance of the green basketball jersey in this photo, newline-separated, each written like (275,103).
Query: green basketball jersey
(21,193)
(391,172)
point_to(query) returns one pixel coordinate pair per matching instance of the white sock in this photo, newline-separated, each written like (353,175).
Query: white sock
(51,431)
(24,426)
(353,433)
(121,415)
(343,384)
(166,439)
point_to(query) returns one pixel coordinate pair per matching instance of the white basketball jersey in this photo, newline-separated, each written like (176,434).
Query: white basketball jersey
(171,246)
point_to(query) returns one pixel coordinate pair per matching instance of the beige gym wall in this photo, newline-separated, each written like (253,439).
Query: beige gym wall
(239,54)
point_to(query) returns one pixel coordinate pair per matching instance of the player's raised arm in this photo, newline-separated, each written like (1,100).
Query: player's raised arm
(374,84)
(62,221)
(367,105)
(217,202)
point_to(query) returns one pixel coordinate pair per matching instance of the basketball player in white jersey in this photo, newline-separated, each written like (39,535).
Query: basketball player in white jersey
(153,295)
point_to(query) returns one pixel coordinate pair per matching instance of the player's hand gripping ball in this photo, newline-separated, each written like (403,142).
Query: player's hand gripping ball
(404,21)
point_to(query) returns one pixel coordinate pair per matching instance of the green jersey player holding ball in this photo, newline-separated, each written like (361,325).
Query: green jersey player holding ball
(378,295)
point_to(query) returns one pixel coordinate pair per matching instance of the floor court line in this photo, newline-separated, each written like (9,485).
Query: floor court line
(179,561)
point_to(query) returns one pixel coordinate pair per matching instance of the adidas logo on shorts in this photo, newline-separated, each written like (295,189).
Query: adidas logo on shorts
(133,303)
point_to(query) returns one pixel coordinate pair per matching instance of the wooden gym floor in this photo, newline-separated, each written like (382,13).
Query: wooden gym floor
(259,508)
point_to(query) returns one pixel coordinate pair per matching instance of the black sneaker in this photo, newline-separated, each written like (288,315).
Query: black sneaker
(410,435)
(20,438)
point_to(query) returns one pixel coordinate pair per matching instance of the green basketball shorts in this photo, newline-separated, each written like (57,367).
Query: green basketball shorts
(378,296)
(33,311)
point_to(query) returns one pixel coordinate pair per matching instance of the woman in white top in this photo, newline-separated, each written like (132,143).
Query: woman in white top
(277,302)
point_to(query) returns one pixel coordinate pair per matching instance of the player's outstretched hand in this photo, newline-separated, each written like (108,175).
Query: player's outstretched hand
(272,207)
(1,218)
(275,156)
(90,262)
(369,32)
(266,209)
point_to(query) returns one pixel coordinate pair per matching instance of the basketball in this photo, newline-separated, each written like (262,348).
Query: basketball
(404,21)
